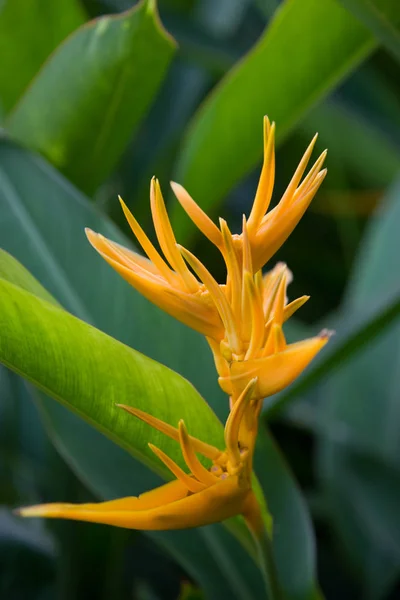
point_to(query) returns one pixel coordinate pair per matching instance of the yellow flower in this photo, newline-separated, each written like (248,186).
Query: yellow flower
(202,497)
(243,318)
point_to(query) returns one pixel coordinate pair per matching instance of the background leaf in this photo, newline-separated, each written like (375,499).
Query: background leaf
(382,18)
(224,140)
(293,540)
(88,99)
(358,460)
(24,47)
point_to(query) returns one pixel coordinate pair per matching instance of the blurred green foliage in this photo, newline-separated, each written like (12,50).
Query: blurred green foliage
(90,110)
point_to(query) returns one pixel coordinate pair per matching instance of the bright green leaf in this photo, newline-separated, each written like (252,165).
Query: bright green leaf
(288,71)
(29,32)
(84,105)
(89,372)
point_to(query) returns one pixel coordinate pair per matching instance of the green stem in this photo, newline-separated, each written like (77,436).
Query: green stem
(255,522)
(267,566)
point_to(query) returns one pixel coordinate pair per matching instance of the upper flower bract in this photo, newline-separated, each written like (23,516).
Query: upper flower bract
(242,318)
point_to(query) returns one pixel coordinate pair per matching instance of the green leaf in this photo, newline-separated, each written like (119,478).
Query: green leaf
(28,549)
(42,225)
(82,108)
(89,372)
(382,17)
(29,32)
(359,449)
(355,332)
(355,143)
(288,71)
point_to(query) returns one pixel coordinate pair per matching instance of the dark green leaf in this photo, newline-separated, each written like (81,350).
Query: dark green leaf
(294,543)
(382,17)
(359,449)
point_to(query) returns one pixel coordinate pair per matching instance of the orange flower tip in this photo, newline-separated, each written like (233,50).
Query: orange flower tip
(122,202)
(185,253)
(91,235)
(326,334)
(29,511)
(176,187)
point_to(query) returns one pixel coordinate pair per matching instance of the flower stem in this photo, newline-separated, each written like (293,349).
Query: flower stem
(262,539)
(267,566)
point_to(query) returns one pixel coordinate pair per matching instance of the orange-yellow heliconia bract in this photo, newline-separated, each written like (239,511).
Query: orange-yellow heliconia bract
(242,320)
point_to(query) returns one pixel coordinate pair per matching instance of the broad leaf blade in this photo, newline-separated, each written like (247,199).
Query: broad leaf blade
(84,105)
(288,70)
(89,372)
(29,32)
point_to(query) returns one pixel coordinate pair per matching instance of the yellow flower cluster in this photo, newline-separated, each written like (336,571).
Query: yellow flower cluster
(243,323)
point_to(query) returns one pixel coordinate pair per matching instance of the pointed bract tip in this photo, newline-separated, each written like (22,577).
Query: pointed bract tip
(326,333)
(91,235)
(174,185)
(122,203)
(29,511)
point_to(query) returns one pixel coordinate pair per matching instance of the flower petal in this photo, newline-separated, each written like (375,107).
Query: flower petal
(276,371)
(266,182)
(221,501)
(185,307)
(277,228)
(173,432)
(198,216)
